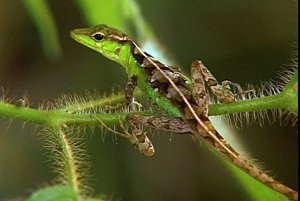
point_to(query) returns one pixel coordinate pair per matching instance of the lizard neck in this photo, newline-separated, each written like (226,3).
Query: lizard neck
(155,85)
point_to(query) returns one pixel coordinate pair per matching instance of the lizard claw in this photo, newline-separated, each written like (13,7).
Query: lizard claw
(134,105)
(238,89)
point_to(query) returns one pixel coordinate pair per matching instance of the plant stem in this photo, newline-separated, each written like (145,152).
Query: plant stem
(263,103)
(287,99)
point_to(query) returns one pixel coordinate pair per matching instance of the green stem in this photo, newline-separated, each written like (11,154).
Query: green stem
(263,103)
(111,100)
(24,113)
(284,100)
(58,117)
(287,99)
(67,160)
(291,92)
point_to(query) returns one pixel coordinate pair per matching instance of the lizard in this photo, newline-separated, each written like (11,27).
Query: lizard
(173,92)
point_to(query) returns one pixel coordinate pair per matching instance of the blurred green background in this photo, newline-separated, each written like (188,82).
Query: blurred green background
(243,41)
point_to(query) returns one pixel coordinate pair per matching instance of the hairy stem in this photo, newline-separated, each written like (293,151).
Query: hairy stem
(67,160)
(58,117)
(287,99)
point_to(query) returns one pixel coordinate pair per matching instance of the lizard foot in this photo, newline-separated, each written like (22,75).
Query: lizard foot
(134,105)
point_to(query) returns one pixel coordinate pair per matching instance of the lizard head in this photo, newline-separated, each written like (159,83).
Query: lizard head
(108,41)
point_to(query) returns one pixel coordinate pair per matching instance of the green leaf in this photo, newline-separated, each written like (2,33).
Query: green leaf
(103,12)
(54,193)
(45,23)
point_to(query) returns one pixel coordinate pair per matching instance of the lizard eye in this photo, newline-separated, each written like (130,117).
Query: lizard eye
(98,36)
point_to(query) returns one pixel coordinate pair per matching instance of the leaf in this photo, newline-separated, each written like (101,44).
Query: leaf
(54,193)
(57,193)
(103,12)
(45,24)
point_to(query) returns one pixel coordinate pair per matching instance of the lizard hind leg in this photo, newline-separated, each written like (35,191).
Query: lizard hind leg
(140,140)
(137,137)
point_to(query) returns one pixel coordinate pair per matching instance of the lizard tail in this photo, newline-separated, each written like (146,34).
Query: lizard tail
(232,155)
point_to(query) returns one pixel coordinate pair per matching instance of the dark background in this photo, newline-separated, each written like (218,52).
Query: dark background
(244,41)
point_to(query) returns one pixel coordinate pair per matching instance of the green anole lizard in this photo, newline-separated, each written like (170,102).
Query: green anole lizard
(173,92)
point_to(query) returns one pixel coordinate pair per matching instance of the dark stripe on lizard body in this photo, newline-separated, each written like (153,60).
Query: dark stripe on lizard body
(228,152)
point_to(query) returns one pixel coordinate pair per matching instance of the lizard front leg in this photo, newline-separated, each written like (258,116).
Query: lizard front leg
(129,90)
(221,91)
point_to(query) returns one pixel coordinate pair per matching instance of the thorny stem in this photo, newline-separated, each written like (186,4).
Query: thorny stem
(59,117)
(68,160)
(111,100)
(268,102)
(287,99)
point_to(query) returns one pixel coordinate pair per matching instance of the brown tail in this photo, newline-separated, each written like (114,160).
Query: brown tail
(231,154)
